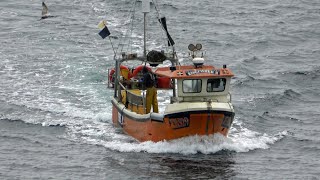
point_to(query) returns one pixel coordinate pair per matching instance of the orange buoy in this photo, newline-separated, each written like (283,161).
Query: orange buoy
(138,69)
(125,73)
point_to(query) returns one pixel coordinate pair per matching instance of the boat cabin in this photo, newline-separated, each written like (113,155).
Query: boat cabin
(200,83)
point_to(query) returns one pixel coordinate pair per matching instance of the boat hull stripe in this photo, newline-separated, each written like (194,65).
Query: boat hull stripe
(159,117)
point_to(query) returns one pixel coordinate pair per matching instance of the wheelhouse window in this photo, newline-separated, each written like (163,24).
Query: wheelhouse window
(216,85)
(191,85)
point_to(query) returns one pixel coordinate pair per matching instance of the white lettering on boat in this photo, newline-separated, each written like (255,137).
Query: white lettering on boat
(192,72)
(120,119)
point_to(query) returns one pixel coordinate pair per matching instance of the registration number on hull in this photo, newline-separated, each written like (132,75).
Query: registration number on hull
(177,123)
(120,119)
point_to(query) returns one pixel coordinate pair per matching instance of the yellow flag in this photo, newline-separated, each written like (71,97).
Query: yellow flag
(102,24)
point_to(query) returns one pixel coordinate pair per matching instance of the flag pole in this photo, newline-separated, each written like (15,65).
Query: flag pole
(106,33)
(112,47)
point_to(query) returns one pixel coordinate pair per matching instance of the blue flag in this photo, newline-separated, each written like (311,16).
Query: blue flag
(104,32)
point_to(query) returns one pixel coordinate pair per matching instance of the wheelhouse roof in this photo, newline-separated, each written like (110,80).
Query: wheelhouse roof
(191,72)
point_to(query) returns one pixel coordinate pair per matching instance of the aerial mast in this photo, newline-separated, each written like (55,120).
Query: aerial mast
(145,10)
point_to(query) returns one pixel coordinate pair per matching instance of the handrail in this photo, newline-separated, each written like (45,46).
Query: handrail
(122,86)
(133,99)
(108,79)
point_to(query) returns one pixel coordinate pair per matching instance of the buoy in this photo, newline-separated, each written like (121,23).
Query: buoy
(125,73)
(138,69)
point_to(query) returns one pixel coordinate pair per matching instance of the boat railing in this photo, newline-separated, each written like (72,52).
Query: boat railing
(220,99)
(230,97)
(133,99)
(171,56)
(108,79)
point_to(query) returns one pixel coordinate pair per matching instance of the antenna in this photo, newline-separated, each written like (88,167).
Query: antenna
(145,10)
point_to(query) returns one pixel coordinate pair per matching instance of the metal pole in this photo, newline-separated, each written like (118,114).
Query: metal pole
(144,36)
(108,79)
(144,101)
(174,88)
(112,47)
(116,80)
(145,9)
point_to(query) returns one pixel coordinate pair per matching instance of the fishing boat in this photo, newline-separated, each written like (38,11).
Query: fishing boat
(199,101)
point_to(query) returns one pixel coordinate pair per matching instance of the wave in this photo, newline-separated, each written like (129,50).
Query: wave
(196,144)
(166,6)
(252,81)
(51,115)
(18,139)
(2,118)
(287,95)
(253,69)
(312,74)
(243,81)
(253,59)
(17,130)
(240,140)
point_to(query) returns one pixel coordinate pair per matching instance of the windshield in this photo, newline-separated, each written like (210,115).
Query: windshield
(216,85)
(191,85)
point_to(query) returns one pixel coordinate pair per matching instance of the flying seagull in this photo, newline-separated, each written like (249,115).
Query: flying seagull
(45,13)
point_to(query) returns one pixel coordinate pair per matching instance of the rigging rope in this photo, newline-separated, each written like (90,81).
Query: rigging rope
(122,39)
(127,36)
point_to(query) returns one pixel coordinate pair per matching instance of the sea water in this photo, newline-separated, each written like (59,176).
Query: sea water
(55,110)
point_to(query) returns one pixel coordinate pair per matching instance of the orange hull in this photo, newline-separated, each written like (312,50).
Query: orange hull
(175,125)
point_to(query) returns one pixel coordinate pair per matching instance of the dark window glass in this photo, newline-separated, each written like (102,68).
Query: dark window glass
(216,85)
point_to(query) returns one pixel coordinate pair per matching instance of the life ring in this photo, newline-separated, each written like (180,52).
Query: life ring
(124,70)
(138,69)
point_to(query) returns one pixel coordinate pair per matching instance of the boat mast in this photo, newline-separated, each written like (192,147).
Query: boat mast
(144,36)
(145,10)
